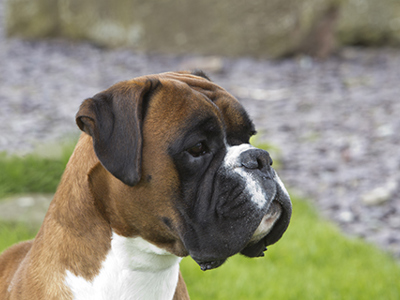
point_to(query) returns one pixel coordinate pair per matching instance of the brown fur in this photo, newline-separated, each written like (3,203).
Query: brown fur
(90,202)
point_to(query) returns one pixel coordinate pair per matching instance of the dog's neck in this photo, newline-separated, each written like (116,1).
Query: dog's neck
(133,269)
(122,268)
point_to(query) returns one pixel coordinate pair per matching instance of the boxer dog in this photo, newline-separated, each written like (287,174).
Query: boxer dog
(163,170)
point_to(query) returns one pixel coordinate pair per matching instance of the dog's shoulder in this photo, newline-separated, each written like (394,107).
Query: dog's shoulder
(12,255)
(10,261)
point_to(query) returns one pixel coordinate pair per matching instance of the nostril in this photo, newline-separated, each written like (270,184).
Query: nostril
(264,162)
(256,159)
(260,164)
(251,164)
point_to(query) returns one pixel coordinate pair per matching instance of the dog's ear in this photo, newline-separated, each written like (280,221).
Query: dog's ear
(114,120)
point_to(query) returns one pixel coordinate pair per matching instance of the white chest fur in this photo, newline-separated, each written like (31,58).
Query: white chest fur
(133,269)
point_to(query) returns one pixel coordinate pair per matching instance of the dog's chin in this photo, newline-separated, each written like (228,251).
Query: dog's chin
(208,265)
(257,244)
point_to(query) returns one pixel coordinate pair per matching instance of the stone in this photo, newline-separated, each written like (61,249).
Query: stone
(262,28)
(208,64)
(260,94)
(29,208)
(380,194)
(346,216)
(370,22)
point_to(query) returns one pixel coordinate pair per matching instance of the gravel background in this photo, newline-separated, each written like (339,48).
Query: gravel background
(335,123)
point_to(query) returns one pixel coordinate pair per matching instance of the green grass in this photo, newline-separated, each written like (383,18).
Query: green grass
(312,261)
(32,173)
(12,233)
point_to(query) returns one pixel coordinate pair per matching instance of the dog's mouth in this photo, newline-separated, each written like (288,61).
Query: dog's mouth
(252,249)
(274,222)
(272,226)
(257,244)
(270,230)
(267,223)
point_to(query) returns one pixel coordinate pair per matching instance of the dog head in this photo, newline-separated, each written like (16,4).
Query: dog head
(176,168)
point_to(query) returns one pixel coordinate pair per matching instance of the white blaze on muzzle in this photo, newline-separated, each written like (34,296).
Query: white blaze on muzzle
(253,187)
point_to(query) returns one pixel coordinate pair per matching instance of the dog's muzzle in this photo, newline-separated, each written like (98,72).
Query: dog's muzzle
(263,204)
(267,191)
(273,224)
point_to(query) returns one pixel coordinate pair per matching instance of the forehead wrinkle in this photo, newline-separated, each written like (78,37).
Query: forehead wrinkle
(192,94)
(202,94)
(187,104)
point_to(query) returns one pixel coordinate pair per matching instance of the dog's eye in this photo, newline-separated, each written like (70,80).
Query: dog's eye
(198,150)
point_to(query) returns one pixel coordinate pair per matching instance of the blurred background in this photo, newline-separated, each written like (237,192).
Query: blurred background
(320,78)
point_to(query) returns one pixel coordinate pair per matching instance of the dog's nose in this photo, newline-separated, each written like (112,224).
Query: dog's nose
(256,159)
